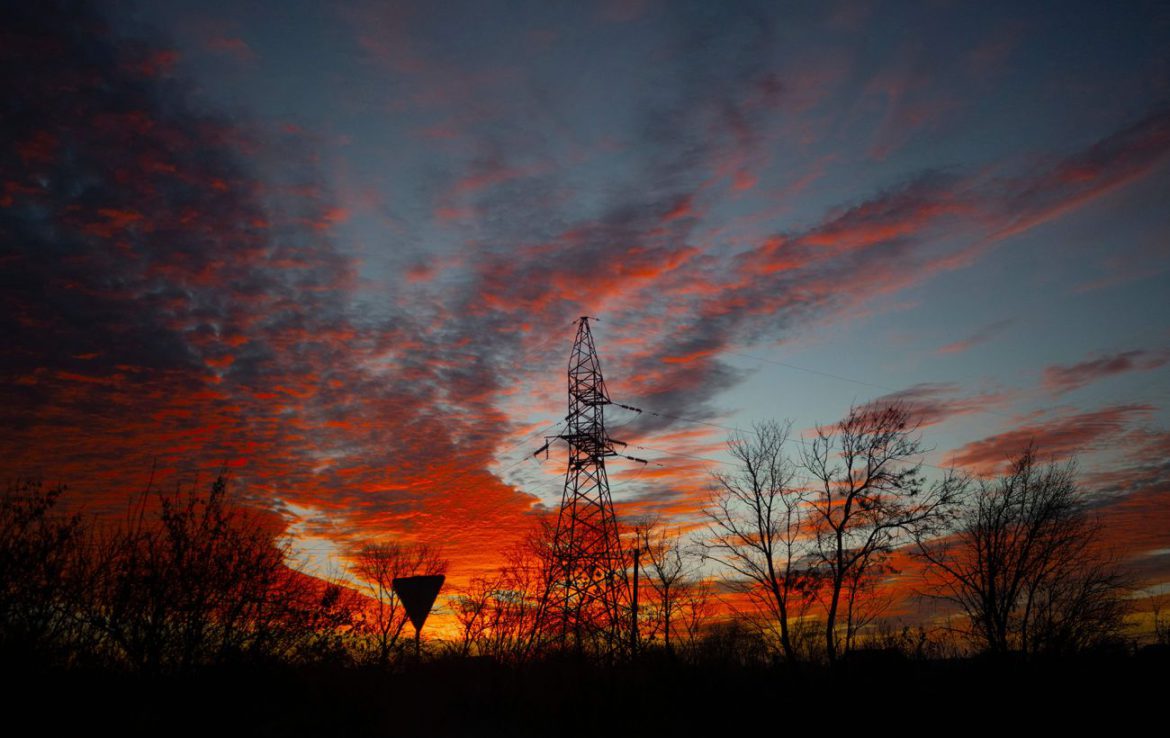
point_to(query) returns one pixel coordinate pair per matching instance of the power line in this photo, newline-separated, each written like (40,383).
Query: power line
(838,377)
(811,371)
(687,456)
(796,439)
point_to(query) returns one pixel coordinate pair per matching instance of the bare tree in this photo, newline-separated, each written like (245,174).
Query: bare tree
(1159,620)
(696,605)
(670,574)
(473,612)
(1022,560)
(865,599)
(42,573)
(871,497)
(501,615)
(203,580)
(757,522)
(192,578)
(378,565)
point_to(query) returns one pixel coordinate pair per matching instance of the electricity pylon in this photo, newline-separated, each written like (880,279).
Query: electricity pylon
(589,586)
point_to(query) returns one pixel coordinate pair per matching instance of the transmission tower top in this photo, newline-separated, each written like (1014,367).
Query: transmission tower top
(586,384)
(588,395)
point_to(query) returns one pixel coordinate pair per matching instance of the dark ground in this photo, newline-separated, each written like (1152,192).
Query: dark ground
(473,697)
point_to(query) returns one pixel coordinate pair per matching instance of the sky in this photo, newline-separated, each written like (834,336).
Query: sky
(338,248)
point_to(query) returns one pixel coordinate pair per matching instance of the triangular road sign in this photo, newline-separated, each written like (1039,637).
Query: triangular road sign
(418,594)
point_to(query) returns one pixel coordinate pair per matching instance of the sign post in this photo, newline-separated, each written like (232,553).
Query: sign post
(418,595)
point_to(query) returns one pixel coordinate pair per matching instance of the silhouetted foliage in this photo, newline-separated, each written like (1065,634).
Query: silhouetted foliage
(1160,619)
(204,581)
(732,642)
(675,601)
(502,615)
(1022,561)
(758,526)
(196,581)
(871,497)
(192,580)
(41,577)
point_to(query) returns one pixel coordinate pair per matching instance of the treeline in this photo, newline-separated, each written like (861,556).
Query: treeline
(192,581)
(816,538)
(806,543)
(794,564)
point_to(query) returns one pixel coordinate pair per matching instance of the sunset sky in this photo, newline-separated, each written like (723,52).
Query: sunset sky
(340,246)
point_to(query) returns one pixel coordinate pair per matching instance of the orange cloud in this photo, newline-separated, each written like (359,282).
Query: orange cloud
(1058,438)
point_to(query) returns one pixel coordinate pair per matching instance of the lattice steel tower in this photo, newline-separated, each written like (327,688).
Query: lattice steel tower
(590,589)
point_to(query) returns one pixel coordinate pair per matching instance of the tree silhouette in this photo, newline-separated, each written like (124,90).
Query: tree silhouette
(864,598)
(41,573)
(502,615)
(676,597)
(199,580)
(1022,560)
(190,579)
(1159,619)
(757,523)
(871,496)
(696,606)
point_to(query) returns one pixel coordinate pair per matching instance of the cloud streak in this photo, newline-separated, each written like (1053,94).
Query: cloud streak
(979,337)
(1057,438)
(1066,378)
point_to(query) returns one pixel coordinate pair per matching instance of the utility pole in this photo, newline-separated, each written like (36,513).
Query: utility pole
(589,586)
(634,602)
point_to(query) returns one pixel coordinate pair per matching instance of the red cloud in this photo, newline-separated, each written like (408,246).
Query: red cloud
(1058,438)
(1061,379)
(935,403)
(1138,525)
(981,336)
